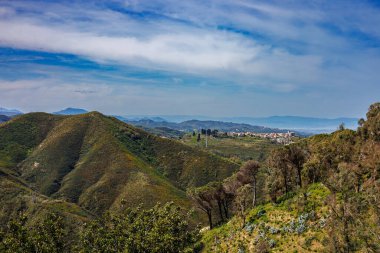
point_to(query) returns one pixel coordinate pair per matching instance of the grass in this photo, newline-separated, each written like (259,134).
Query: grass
(270,222)
(236,149)
(16,196)
(101,163)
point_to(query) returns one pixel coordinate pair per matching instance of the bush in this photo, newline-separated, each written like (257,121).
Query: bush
(160,229)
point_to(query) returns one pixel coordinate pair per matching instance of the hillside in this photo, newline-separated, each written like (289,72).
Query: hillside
(17,196)
(276,227)
(317,195)
(101,163)
(238,149)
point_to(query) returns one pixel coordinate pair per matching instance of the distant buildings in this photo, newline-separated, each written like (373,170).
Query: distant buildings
(282,138)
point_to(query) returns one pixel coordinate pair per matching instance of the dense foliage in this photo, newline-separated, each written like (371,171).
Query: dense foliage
(346,163)
(163,228)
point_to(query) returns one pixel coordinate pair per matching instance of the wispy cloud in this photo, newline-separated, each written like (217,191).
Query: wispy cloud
(271,47)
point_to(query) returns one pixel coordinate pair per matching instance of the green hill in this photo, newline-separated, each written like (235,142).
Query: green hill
(319,194)
(101,163)
(17,196)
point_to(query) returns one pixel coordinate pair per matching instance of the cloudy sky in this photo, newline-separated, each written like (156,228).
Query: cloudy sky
(216,58)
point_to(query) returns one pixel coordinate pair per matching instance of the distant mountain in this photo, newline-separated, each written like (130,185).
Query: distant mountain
(191,125)
(71,111)
(4,118)
(295,123)
(9,112)
(300,123)
(137,118)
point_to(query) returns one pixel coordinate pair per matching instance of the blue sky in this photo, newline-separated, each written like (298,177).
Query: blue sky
(167,57)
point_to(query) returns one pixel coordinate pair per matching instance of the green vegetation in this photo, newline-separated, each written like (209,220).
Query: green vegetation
(96,161)
(236,149)
(159,229)
(90,183)
(320,196)
(287,226)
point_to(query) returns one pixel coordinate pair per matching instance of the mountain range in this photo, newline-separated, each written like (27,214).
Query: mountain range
(9,112)
(306,125)
(4,118)
(191,125)
(294,123)
(92,163)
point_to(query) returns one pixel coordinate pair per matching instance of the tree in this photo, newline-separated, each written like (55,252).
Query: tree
(203,198)
(247,174)
(242,202)
(163,228)
(214,132)
(278,161)
(219,195)
(230,186)
(297,158)
(48,235)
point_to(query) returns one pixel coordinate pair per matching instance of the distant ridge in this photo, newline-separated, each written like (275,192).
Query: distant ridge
(71,111)
(191,125)
(4,118)
(9,112)
(298,122)
(294,123)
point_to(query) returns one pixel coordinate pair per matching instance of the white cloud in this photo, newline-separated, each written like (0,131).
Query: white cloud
(281,46)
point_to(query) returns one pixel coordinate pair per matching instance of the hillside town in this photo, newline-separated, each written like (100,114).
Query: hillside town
(282,138)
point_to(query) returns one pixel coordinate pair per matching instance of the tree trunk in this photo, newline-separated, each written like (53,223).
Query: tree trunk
(220,210)
(209,219)
(254,192)
(225,207)
(242,213)
(299,177)
(286,182)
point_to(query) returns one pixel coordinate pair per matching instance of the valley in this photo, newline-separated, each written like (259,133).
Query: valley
(83,167)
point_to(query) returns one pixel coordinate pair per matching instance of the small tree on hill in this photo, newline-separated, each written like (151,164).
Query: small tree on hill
(247,174)
(203,199)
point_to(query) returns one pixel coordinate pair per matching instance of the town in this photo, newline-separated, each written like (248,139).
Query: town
(282,138)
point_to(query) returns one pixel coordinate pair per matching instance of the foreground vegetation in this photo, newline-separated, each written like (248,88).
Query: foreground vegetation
(319,194)
(159,229)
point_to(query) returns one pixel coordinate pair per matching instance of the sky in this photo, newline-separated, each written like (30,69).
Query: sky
(317,58)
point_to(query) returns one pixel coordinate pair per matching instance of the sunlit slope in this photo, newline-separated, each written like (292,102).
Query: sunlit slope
(102,163)
(16,196)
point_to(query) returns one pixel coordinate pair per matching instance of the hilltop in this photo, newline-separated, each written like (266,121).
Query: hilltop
(101,163)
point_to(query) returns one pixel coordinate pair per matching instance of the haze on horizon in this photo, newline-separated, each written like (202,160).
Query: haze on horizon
(213,58)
